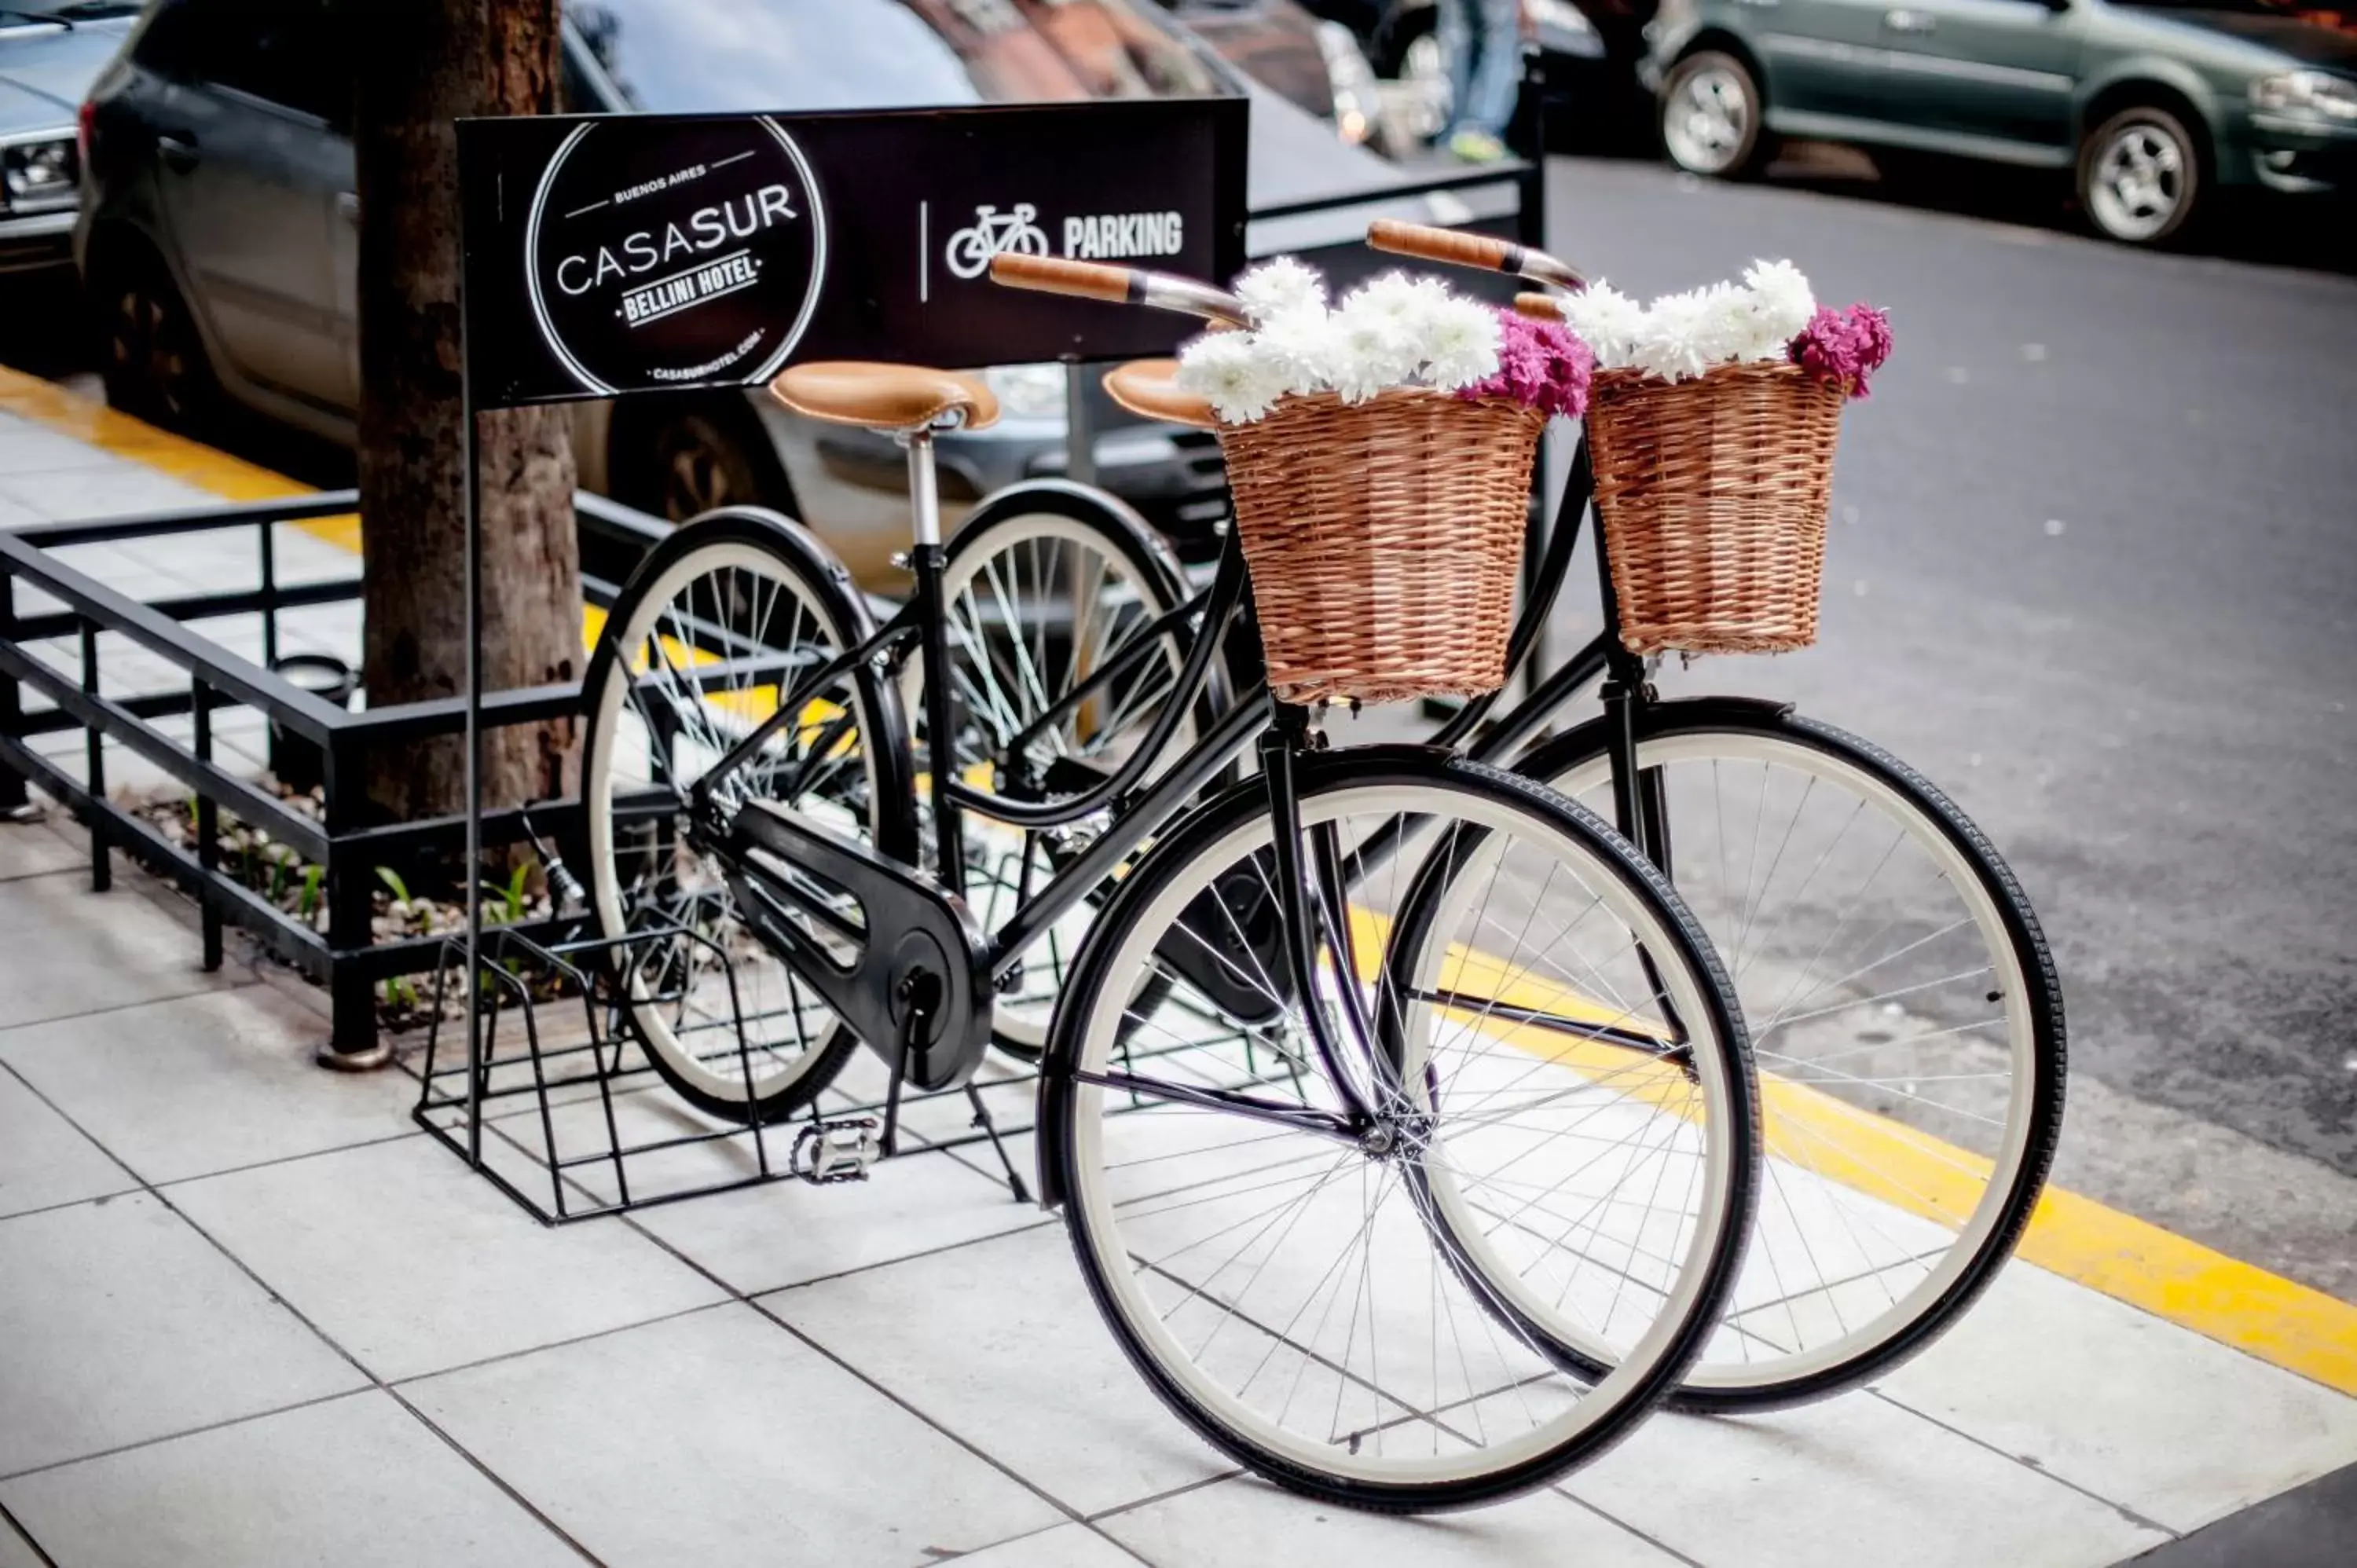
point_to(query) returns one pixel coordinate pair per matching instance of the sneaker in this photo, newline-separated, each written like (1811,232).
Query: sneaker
(1477,147)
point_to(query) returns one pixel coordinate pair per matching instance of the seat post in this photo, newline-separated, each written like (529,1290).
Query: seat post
(924,493)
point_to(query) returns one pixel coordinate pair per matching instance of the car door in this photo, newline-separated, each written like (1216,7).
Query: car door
(1991,70)
(1822,59)
(250,160)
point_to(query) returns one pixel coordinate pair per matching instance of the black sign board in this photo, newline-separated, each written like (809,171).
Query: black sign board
(610,254)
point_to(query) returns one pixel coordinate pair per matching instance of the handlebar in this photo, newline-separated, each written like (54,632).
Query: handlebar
(1459,247)
(1118,285)
(1539,307)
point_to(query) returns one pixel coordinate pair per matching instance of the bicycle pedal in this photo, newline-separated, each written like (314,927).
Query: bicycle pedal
(825,1152)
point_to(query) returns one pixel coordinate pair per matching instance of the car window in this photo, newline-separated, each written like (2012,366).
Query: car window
(724,55)
(286,52)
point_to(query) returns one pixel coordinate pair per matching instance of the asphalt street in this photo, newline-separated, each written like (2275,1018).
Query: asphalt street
(2094,569)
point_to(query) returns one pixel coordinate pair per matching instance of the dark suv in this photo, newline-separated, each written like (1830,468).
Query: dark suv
(218,231)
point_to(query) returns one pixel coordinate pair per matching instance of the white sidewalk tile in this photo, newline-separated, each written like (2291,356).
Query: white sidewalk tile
(15,514)
(1853,1480)
(69,950)
(1066,1546)
(1249,1524)
(999,1342)
(355,1482)
(26,448)
(43,1161)
(718,1439)
(2147,1415)
(200,1084)
(120,1324)
(116,488)
(414,1264)
(31,849)
(767,1237)
(16,1552)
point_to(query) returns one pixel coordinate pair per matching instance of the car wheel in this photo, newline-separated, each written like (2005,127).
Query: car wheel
(688,461)
(154,359)
(2140,176)
(1711,112)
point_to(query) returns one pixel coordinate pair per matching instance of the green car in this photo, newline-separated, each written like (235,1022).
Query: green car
(2155,104)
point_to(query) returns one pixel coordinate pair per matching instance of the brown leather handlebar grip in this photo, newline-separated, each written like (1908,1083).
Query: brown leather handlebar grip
(1449,245)
(1053,274)
(1539,307)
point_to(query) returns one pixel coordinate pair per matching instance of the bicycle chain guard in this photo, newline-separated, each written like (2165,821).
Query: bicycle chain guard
(894,956)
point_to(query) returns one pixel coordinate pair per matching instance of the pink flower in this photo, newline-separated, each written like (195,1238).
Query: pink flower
(1843,348)
(1540,364)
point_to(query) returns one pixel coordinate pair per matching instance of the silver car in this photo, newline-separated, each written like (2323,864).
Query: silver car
(219,236)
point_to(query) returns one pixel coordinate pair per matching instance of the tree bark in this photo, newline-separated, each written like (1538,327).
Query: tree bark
(423,63)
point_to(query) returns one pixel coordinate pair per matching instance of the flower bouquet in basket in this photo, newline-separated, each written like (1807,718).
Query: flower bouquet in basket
(1711,425)
(1379,452)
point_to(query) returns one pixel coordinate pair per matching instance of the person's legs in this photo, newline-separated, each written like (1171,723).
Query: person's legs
(1456,29)
(1496,78)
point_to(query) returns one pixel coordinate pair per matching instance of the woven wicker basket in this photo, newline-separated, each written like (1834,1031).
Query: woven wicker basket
(1384,539)
(1713,494)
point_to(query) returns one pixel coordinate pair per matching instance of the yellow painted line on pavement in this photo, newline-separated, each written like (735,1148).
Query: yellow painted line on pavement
(94,424)
(2280,1322)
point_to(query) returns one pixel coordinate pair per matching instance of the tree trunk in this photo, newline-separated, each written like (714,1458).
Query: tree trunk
(423,63)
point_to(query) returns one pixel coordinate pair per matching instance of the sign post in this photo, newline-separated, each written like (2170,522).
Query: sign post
(619,255)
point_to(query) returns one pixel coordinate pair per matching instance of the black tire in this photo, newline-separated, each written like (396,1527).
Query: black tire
(1712,117)
(152,354)
(1118,533)
(793,554)
(2142,177)
(693,455)
(1578,753)
(1171,862)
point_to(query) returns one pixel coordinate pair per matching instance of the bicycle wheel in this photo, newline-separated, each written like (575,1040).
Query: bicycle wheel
(1041,594)
(1286,1292)
(1906,1021)
(728,613)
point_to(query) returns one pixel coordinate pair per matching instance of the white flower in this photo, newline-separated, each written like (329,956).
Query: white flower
(1607,321)
(1460,338)
(1366,352)
(1783,304)
(1281,286)
(1295,346)
(1234,372)
(1675,339)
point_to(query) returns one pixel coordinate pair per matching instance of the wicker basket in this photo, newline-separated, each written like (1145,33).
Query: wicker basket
(1713,494)
(1384,539)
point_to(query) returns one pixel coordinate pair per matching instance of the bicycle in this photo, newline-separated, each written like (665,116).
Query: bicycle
(994,233)
(1902,997)
(1291,1041)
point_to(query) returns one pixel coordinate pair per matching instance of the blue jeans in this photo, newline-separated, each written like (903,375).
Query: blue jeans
(1481,41)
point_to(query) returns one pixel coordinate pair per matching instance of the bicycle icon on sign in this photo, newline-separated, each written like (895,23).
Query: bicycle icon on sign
(970,250)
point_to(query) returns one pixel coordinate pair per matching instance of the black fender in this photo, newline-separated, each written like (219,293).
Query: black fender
(1552,757)
(1219,814)
(1063,498)
(892,749)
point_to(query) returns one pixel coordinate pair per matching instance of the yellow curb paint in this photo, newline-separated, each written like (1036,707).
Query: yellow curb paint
(2280,1322)
(193,463)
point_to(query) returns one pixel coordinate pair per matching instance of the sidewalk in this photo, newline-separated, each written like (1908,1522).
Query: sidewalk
(250,1314)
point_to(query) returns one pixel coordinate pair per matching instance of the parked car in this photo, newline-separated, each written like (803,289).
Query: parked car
(2157,105)
(219,231)
(50,51)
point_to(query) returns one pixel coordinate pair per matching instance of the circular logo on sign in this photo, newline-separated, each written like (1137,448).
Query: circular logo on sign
(674,255)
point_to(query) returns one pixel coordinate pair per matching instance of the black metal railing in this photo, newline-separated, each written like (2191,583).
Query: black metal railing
(37,697)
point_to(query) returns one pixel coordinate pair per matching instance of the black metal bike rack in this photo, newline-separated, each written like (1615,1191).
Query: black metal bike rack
(37,697)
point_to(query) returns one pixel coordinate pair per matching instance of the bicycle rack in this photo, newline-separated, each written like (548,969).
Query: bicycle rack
(567,1116)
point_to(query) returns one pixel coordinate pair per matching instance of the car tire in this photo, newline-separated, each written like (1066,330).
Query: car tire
(1711,113)
(691,457)
(152,357)
(2141,176)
